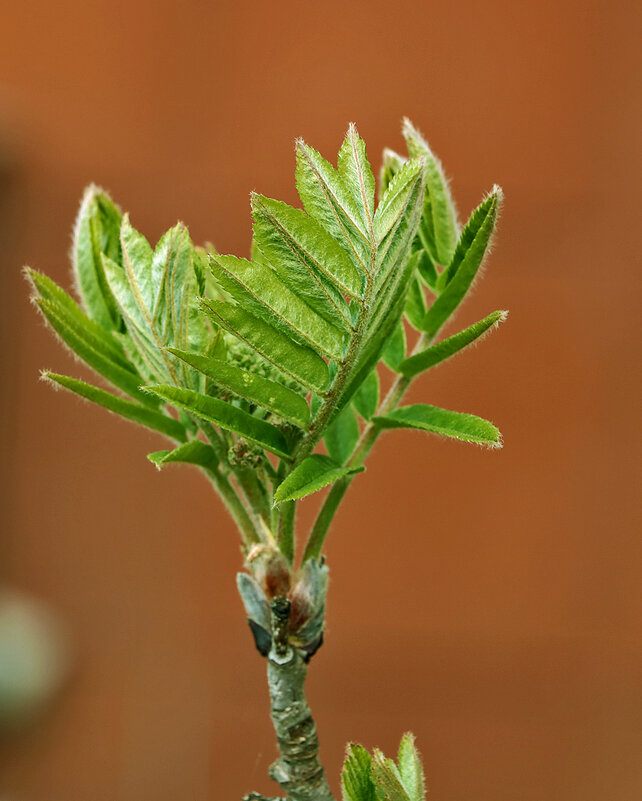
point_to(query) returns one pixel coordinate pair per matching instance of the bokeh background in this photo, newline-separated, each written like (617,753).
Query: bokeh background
(489,601)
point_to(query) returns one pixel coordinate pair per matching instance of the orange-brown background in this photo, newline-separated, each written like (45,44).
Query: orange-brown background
(487,600)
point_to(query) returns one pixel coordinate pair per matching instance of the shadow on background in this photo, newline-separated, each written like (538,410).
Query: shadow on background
(489,601)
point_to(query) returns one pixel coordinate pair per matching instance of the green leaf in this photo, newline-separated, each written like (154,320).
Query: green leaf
(356,779)
(342,435)
(395,351)
(373,348)
(475,237)
(258,289)
(396,198)
(355,170)
(410,768)
(388,779)
(395,264)
(297,361)
(271,396)
(366,398)
(124,408)
(428,271)
(101,338)
(415,304)
(298,246)
(156,294)
(440,213)
(80,340)
(174,313)
(96,231)
(471,249)
(314,473)
(391,163)
(326,198)
(435,354)
(192,452)
(226,416)
(466,427)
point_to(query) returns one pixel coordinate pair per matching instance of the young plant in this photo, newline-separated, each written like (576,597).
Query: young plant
(264,373)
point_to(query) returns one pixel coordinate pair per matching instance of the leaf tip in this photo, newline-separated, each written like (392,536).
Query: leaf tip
(51,378)
(411,132)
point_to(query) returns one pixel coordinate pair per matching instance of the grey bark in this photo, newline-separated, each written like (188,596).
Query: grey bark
(298,769)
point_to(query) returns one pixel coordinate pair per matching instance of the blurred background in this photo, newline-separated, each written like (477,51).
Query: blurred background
(489,601)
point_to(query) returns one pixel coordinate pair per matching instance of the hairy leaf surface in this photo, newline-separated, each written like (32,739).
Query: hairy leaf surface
(366,398)
(226,416)
(100,338)
(395,350)
(342,435)
(415,304)
(271,396)
(304,254)
(410,768)
(156,290)
(294,359)
(97,231)
(471,249)
(355,171)
(435,354)
(192,452)
(466,427)
(124,408)
(356,779)
(326,198)
(314,473)
(439,213)
(258,289)
(80,340)
(387,778)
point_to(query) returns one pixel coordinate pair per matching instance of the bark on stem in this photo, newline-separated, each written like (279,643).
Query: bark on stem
(298,769)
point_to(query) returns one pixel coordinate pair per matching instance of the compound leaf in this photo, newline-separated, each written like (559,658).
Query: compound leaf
(295,360)
(356,778)
(100,338)
(471,249)
(466,427)
(80,340)
(366,398)
(443,350)
(326,198)
(428,271)
(395,351)
(226,416)
(97,231)
(124,408)
(258,289)
(274,397)
(314,473)
(302,251)
(192,452)
(342,435)
(391,163)
(410,768)
(395,199)
(387,778)
(355,170)
(415,304)
(439,211)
